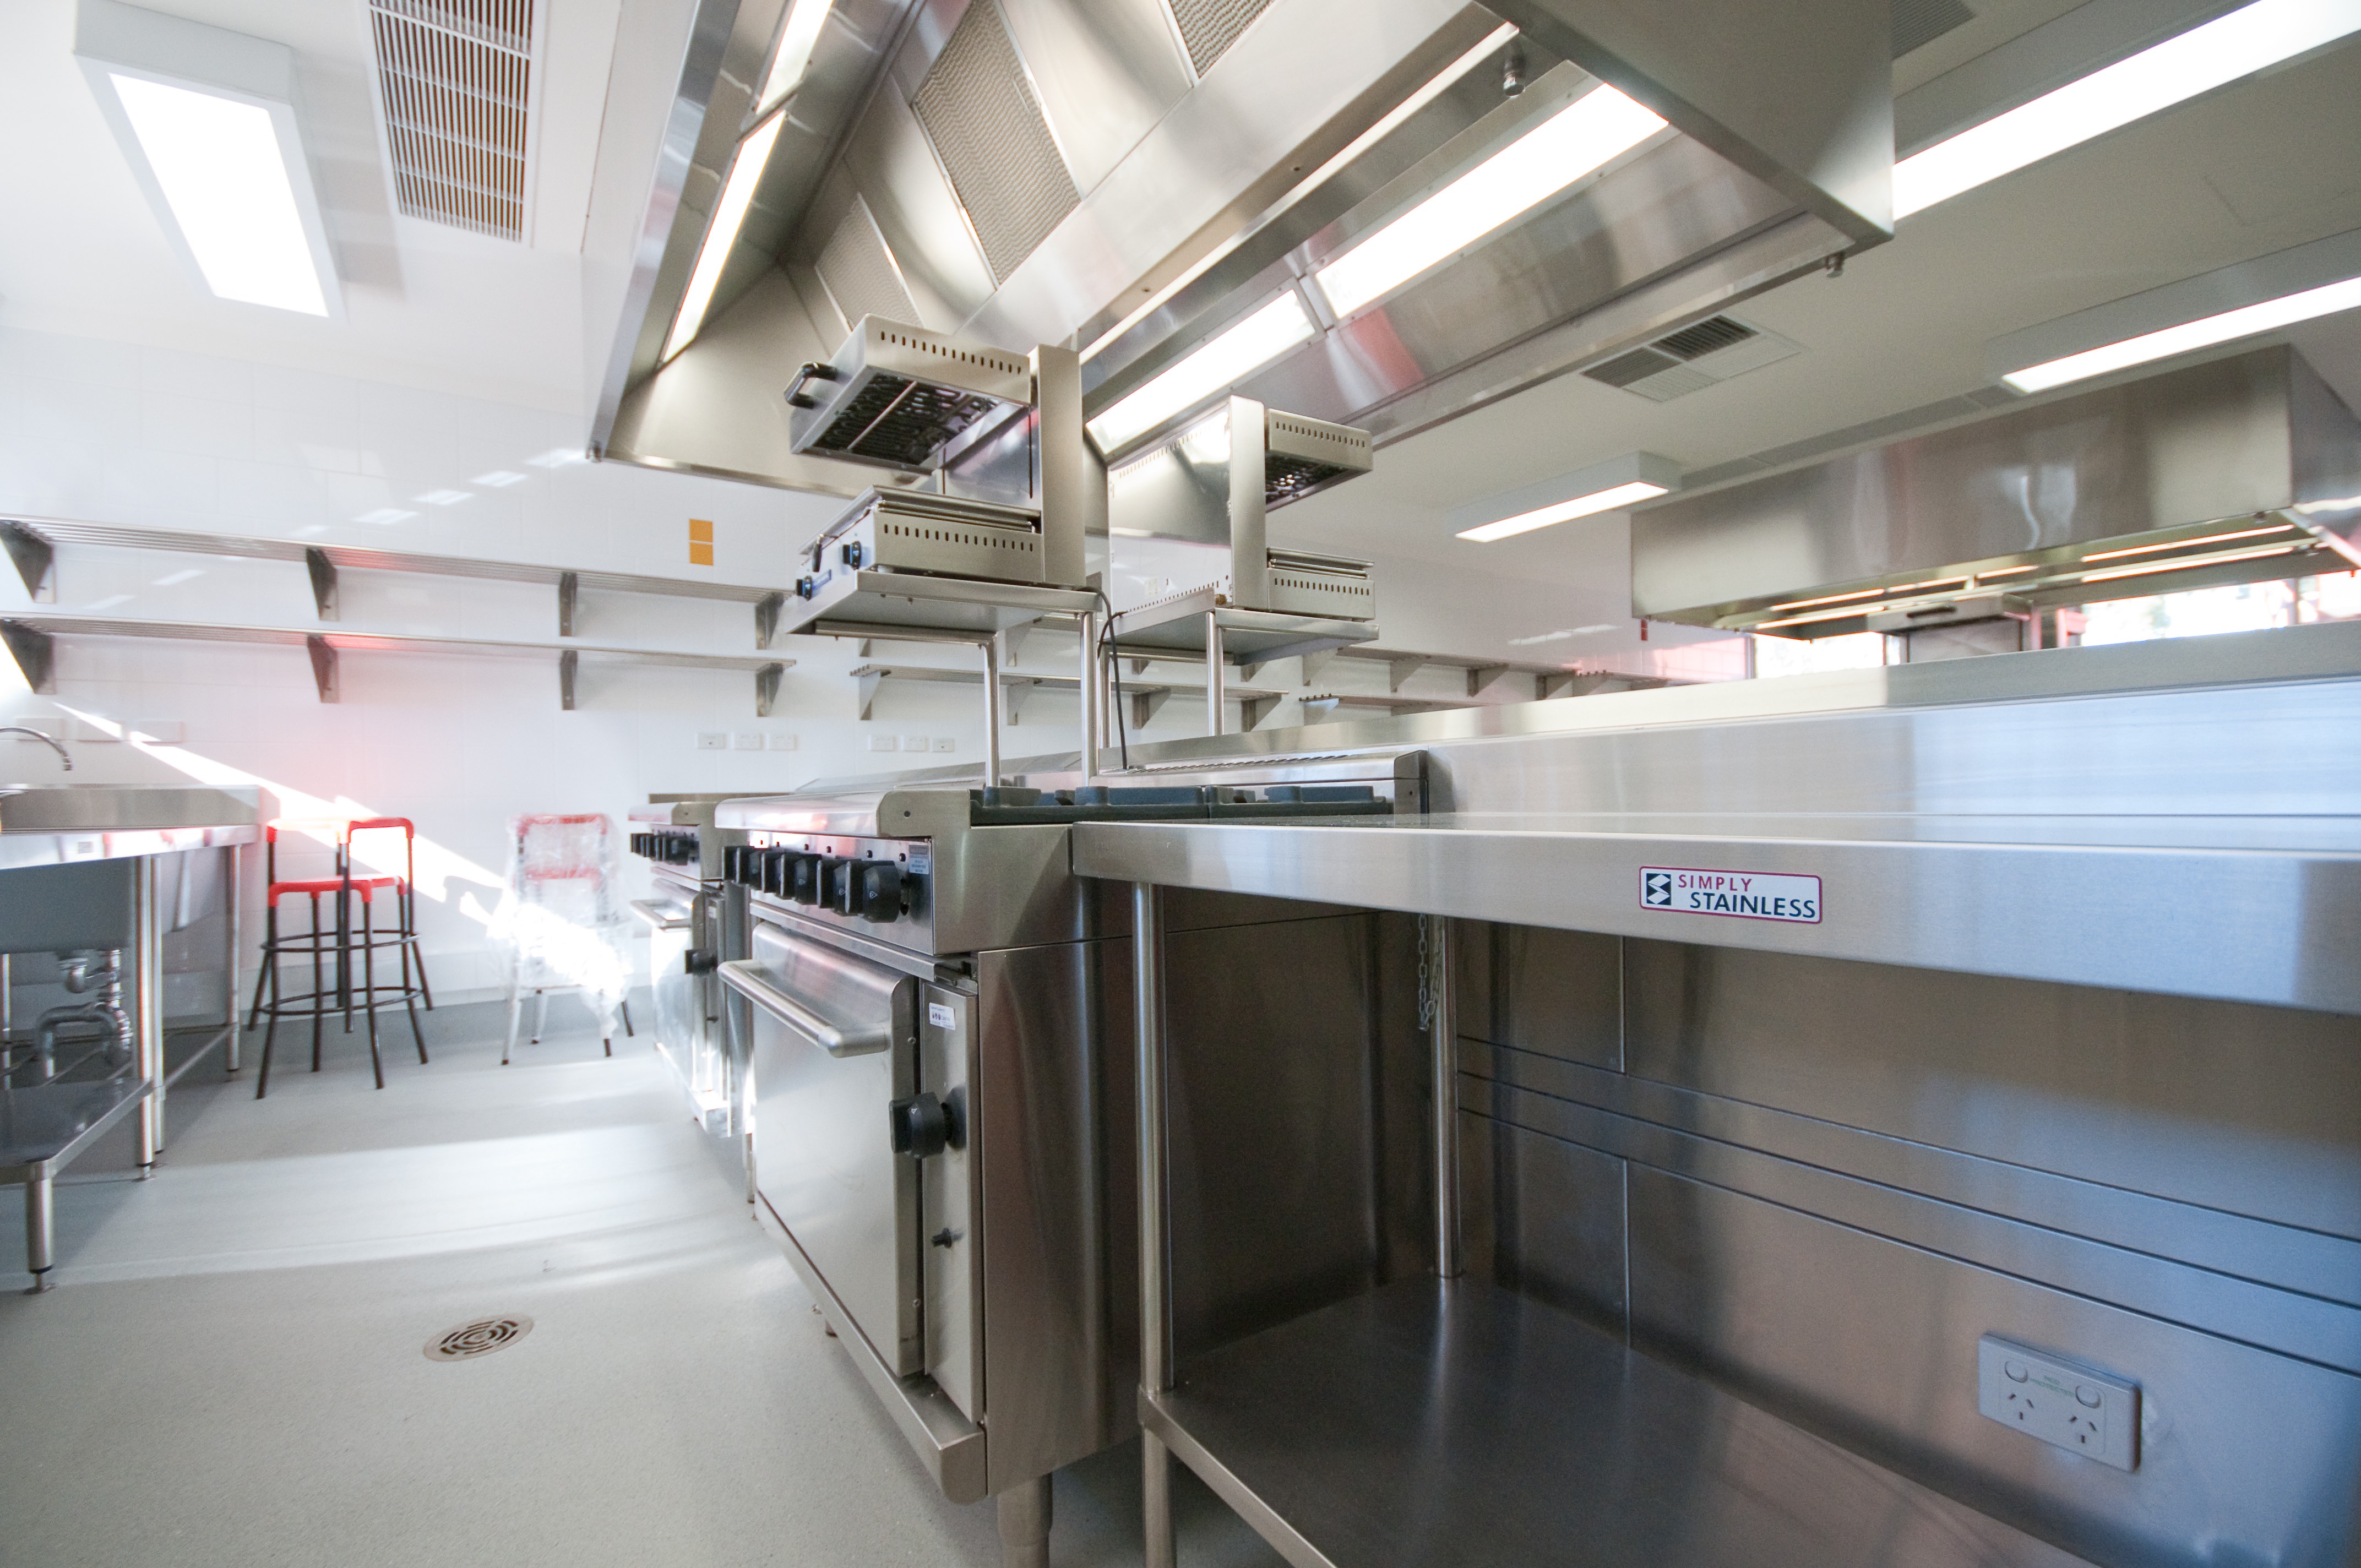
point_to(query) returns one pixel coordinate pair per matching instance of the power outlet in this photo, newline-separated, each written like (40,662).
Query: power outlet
(747,741)
(946,743)
(713,740)
(913,743)
(884,743)
(2077,1408)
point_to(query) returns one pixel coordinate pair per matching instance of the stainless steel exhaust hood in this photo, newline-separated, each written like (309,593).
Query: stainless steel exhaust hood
(1129,179)
(2243,469)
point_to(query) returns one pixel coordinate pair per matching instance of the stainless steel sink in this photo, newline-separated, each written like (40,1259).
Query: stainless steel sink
(120,808)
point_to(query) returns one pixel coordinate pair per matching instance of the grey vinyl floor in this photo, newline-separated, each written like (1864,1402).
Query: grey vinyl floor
(231,1370)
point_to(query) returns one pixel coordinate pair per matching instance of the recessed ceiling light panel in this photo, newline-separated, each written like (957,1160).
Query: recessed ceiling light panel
(207,120)
(1618,482)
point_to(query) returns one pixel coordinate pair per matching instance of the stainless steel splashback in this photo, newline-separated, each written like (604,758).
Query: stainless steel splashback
(2228,471)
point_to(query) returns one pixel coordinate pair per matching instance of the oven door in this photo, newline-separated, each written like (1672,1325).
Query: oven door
(835,1044)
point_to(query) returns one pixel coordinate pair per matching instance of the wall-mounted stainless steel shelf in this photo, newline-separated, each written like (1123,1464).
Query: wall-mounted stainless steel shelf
(1177,624)
(1435,1422)
(29,637)
(2242,909)
(31,543)
(1254,706)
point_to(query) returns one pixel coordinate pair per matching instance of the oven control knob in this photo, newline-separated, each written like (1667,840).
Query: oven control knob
(699,960)
(878,897)
(775,874)
(814,876)
(923,1126)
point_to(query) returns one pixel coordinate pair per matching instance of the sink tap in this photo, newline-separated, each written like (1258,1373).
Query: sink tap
(65,758)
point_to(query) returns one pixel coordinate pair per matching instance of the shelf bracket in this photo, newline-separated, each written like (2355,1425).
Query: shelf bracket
(1017,690)
(34,652)
(569,661)
(323,582)
(324,664)
(1145,701)
(1483,676)
(1012,641)
(766,688)
(35,560)
(570,596)
(867,701)
(766,617)
(1318,710)
(1402,669)
(1252,710)
(1315,662)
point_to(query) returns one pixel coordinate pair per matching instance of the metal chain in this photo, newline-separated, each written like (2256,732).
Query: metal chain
(1425,990)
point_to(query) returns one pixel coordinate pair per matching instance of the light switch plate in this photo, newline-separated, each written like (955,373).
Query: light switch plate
(946,743)
(713,740)
(2077,1408)
(883,743)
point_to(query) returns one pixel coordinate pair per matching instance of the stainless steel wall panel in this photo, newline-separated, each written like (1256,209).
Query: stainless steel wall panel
(1558,993)
(890,159)
(2251,1110)
(2245,1457)
(1105,71)
(1543,1217)
(2280,1320)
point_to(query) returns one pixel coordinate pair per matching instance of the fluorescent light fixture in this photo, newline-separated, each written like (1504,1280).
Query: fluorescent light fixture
(797,40)
(1603,487)
(1592,131)
(2248,39)
(2319,279)
(206,119)
(746,166)
(1216,366)
(2226,327)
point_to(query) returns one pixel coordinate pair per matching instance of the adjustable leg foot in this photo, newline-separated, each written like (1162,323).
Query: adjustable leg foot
(1025,1524)
(40,1215)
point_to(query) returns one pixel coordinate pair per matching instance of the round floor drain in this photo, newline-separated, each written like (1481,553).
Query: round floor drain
(481,1337)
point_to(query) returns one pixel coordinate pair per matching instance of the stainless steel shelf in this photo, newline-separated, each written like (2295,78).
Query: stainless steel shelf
(1145,696)
(1177,624)
(2242,909)
(44,1127)
(906,604)
(1435,1423)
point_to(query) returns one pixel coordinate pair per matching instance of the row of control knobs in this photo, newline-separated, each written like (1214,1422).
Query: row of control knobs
(670,849)
(869,890)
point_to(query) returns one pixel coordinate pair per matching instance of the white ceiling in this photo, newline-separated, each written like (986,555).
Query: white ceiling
(2268,164)
(428,305)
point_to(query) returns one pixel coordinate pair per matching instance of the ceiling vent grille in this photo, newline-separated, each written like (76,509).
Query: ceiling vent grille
(979,112)
(455,78)
(1917,23)
(1210,26)
(1701,354)
(858,271)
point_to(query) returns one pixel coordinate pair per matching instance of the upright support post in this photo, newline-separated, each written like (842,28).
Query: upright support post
(1214,698)
(148,1010)
(235,885)
(1024,1517)
(992,713)
(1442,1042)
(1095,697)
(1155,1254)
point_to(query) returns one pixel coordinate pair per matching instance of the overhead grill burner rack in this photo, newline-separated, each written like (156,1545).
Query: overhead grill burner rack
(902,396)
(1303,455)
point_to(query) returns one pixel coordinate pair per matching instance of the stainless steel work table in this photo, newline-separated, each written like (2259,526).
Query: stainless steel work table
(1446,1420)
(44,1127)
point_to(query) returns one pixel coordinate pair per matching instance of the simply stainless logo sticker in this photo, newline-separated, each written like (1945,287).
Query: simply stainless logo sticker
(1746,896)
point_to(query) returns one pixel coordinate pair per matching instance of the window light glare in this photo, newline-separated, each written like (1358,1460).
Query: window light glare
(1565,511)
(1222,363)
(1588,133)
(736,195)
(225,178)
(2214,55)
(2203,333)
(795,44)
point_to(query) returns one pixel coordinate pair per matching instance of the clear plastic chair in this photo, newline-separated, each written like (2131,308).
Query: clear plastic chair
(560,920)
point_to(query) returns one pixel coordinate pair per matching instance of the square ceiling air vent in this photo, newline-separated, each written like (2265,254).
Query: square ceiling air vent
(1698,355)
(454,81)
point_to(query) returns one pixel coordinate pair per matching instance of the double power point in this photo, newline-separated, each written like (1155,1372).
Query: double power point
(2080,1408)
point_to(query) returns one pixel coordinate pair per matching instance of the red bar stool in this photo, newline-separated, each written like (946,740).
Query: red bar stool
(330,940)
(406,891)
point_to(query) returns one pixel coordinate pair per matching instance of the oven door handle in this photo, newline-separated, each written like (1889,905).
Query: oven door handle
(747,979)
(658,917)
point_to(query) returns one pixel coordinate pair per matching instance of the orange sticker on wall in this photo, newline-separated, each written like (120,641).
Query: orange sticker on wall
(700,541)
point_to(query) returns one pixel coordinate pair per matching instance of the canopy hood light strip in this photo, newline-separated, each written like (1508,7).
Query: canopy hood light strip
(796,41)
(2203,333)
(737,194)
(1590,132)
(1221,364)
(2250,40)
